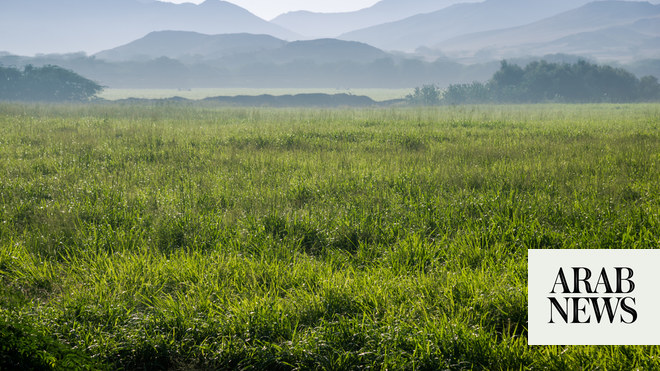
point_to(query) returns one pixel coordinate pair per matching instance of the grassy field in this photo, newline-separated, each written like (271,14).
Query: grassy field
(201,93)
(167,237)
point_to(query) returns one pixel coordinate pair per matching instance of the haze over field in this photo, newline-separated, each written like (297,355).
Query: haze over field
(387,43)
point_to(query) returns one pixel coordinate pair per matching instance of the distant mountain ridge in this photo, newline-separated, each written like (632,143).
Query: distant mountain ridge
(459,28)
(47,26)
(448,46)
(622,31)
(188,45)
(605,29)
(432,28)
(327,51)
(235,49)
(316,25)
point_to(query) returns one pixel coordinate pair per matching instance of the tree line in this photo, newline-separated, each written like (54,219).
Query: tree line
(48,83)
(540,81)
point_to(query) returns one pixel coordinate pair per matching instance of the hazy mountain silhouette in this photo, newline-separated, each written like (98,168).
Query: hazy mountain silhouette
(48,26)
(432,28)
(314,25)
(303,64)
(186,45)
(607,29)
(238,49)
(524,29)
(615,43)
(260,70)
(325,51)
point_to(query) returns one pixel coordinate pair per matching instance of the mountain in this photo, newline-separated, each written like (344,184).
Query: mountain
(432,28)
(190,46)
(177,59)
(317,25)
(616,43)
(239,49)
(605,29)
(325,51)
(47,26)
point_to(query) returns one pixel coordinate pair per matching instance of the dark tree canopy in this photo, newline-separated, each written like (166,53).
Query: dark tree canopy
(427,95)
(581,82)
(48,83)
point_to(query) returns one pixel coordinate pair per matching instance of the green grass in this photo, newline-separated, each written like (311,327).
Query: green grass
(177,237)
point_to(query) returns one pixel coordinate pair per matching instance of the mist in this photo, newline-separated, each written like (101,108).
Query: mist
(392,44)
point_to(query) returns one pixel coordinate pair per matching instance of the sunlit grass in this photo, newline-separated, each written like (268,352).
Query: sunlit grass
(167,236)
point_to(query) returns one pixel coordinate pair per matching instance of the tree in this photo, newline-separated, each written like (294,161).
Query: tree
(649,89)
(10,80)
(475,92)
(47,83)
(508,75)
(427,95)
(541,81)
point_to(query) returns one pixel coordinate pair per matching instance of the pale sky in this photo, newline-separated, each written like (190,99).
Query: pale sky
(269,9)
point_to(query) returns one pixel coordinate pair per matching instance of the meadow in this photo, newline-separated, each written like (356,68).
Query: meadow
(182,237)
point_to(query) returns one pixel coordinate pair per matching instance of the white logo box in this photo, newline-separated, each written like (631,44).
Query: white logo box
(634,302)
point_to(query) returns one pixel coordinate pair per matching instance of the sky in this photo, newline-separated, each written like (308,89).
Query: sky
(269,9)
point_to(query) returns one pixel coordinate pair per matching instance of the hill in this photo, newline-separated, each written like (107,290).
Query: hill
(430,29)
(620,30)
(322,51)
(43,26)
(184,45)
(316,25)
(239,49)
